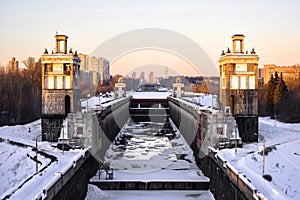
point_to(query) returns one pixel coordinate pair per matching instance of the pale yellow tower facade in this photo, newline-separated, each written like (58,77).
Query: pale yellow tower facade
(60,86)
(239,87)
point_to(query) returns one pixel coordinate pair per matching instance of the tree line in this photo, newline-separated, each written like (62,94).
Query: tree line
(20,93)
(280,98)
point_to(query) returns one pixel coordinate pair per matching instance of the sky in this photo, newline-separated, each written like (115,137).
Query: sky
(271,26)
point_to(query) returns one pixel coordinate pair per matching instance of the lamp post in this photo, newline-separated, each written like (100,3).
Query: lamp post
(99,101)
(63,139)
(36,154)
(263,154)
(262,148)
(213,100)
(235,135)
(87,102)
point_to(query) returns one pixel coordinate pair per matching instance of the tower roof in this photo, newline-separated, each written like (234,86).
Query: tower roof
(236,35)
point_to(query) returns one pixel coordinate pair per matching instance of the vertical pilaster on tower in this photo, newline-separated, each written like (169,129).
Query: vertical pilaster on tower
(239,87)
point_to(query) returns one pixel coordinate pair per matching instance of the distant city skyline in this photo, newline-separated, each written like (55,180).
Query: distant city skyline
(272,27)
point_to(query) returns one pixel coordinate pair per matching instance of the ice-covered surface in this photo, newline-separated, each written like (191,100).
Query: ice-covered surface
(151,157)
(282,162)
(142,152)
(17,169)
(151,95)
(95,193)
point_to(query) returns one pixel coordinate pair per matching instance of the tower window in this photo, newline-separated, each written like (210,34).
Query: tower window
(61,46)
(67,68)
(48,68)
(238,46)
(220,131)
(250,68)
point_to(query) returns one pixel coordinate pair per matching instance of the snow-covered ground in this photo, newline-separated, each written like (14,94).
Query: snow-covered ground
(202,99)
(94,193)
(282,162)
(96,101)
(19,170)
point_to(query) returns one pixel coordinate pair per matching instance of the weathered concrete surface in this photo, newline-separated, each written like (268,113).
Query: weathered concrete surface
(73,184)
(51,126)
(220,184)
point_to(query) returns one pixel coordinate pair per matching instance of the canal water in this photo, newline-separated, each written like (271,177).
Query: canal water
(150,160)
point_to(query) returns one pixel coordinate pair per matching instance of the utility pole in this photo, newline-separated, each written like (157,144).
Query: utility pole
(263,158)
(99,101)
(235,135)
(63,138)
(87,102)
(262,148)
(36,154)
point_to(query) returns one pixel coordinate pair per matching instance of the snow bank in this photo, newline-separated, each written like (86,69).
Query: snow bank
(282,162)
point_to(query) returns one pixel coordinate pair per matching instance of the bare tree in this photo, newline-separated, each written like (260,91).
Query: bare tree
(32,74)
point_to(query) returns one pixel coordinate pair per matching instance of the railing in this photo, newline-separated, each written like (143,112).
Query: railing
(236,177)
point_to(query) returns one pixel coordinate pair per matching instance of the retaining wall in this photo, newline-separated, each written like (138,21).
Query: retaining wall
(71,182)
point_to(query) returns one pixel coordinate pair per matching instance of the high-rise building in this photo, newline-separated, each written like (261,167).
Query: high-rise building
(98,66)
(239,87)
(60,87)
(288,72)
(87,78)
(133,75)
(94,67)
(84,62)
(13,65)
(142,77)
(261,74)
(94,64)
(151,77)
(104,70)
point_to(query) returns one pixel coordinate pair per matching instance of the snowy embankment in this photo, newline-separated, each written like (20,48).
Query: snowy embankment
(282,161)
(18,170)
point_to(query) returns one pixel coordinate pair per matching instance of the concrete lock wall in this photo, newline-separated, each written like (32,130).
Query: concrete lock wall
(51,125)
(248,128)
(221,185)
(73,181)
(111,121)
(186,119)
(73,185)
